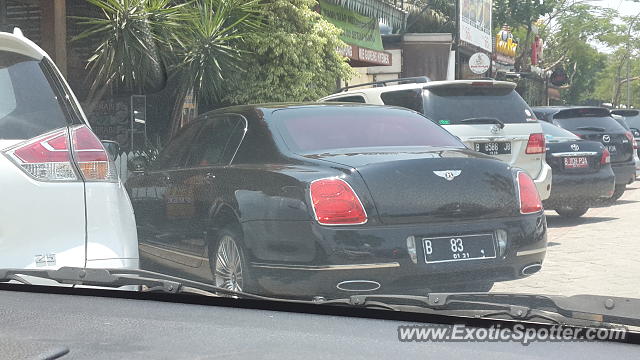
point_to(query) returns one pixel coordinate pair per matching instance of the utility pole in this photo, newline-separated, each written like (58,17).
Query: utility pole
(457,43)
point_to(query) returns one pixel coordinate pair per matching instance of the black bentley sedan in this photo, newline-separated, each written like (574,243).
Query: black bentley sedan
(334,199)
(582,173)
(595,123)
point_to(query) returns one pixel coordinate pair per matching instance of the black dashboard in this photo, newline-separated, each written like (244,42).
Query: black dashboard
(34,324)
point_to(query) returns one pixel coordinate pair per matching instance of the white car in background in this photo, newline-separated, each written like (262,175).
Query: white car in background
(488,116)
(62,201)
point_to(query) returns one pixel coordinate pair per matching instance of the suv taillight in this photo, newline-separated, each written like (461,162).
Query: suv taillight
(46,158)
(91,157)
(50,158)
(633,141)
(335,203)
(529,198)
(536,144)
(605,158)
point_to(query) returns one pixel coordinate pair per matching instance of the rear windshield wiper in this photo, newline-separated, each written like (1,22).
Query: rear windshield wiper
(591,128)
(580,310)
(483,120)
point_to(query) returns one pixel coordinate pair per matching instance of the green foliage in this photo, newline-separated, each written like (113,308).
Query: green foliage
(293,58)
(128,35)
(517,13)
(236,51)
(430,16)
(139,41)
(206,46)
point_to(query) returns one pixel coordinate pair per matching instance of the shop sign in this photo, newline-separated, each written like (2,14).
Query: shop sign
(505,45)
(479,63)
(372,57)
(475,23)
(356,29)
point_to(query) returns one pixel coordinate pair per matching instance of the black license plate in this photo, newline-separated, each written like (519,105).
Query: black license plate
(612,149)
(459,248)
(493,148)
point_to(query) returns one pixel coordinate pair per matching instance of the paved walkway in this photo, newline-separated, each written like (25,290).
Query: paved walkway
(598,254)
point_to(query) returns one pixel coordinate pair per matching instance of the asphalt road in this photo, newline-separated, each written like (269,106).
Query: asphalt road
(597,254)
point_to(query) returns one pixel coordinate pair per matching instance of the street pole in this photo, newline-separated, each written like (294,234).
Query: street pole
(456,75)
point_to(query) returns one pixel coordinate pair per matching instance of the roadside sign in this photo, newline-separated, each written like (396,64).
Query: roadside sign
(479,63)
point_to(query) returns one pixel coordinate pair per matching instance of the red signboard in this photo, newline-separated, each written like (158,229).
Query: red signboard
(361,56)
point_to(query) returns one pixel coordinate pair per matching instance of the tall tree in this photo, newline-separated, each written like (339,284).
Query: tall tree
(293,59)
(571,34)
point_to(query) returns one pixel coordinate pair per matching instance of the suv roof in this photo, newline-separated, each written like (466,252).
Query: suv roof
(572,111)
(18,43)
(422,85)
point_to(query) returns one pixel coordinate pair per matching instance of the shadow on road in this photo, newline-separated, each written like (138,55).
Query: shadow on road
(619,202)
(560,222)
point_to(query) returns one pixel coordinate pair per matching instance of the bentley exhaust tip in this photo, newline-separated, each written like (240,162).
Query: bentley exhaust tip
(531,269)
(358,285)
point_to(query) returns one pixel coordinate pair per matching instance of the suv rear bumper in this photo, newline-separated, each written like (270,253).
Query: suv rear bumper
(625,172)
(580,189)
(543,181)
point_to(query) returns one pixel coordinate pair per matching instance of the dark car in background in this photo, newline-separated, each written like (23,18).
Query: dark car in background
(632,118)
(334,199)
(582,173)
(596,123)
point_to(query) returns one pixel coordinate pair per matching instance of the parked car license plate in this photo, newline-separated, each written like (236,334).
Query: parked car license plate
(575,162)
(612,149)
(493,148)
(459,248)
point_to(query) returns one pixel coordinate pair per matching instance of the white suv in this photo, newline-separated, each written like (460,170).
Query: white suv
(488,116)
(62,201)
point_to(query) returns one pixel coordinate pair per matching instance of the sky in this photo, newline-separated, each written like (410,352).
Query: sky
(624,7)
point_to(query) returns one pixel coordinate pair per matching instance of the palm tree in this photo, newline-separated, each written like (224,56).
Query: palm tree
(141,43)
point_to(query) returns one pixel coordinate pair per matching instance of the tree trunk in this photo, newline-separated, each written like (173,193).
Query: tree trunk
(616,85)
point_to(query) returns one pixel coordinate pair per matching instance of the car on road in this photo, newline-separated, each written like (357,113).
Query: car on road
(331,199)
(62,201)
(488,116)
(596,123)
(582,173)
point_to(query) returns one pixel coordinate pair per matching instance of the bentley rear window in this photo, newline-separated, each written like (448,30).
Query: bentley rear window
(327,128)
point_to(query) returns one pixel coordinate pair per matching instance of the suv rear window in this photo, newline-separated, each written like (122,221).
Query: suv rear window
(442,105)
(631,116)
(331,128)
(410,99)
(606,122)
(28,105)
(353,98)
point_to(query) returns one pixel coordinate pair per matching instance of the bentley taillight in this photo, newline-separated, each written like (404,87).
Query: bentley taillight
(528,194)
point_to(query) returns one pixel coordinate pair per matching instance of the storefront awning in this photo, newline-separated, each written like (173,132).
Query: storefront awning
(378,9)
